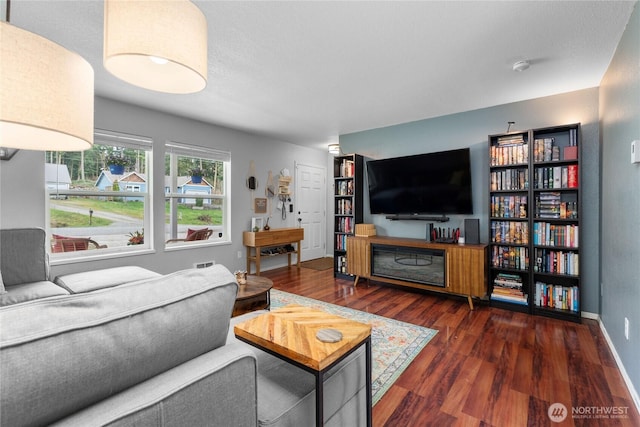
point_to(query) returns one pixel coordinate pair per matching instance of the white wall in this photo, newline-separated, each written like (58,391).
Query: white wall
(22,189)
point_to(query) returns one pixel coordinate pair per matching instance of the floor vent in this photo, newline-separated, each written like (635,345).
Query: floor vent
(204,264)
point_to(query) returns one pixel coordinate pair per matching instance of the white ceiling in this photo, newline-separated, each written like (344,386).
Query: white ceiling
(306,72)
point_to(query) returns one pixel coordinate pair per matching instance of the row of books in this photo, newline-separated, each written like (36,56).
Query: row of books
(344,224)
(545,150)
(344,207)
(513,257)
(341,242)
(341,264)
(546,234)
(344,188)
(515,232)
(559,262)
(556,177)
(347,168)
(510,179)
(512,154)
(550,205)
(508,288)
(557,296)
(508,206)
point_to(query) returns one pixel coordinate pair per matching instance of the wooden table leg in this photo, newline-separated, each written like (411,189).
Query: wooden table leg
(248,260)
(299,252)
(470,302)
(257,261)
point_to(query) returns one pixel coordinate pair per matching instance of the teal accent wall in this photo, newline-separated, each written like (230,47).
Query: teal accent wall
(471,129)
(620,264)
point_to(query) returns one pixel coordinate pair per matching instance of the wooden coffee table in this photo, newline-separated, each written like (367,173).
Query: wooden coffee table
(254,295)
(289,333)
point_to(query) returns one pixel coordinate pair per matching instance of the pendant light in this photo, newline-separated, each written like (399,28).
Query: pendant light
(46,93)
(156,45)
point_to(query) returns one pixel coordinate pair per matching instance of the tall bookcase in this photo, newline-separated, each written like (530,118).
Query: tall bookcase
(348,191)
(534,221)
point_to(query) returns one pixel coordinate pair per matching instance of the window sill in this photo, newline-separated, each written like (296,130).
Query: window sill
(194,245)
(62,260)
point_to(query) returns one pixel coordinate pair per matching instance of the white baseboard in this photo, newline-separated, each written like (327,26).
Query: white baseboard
(627,380)
(587,315)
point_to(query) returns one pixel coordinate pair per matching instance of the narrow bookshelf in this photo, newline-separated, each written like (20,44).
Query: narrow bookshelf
(535,221)
(348,193)
(556,222)
(509,248)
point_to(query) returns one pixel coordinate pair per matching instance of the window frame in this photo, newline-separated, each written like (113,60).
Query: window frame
(120,140)
(175,149)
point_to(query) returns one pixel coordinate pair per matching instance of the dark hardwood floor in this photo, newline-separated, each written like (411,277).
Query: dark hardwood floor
(487,367)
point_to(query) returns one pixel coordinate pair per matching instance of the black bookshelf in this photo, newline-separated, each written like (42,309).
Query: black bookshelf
(348,176)
(534,221)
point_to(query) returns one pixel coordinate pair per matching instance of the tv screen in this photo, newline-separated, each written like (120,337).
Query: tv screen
(432,183)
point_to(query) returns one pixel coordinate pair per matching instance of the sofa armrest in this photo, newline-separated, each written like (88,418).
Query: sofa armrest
(218,388)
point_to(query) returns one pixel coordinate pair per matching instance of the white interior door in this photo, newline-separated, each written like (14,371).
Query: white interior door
(310,196)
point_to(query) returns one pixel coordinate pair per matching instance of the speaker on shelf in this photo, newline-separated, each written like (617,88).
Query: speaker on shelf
(472,231)
(429,236)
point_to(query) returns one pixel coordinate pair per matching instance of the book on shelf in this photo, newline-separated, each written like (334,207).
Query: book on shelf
(515,232)
(509,152)
(347,168)
(514,257)
(557,262)
(509,207)
(508,287)
(547,295)
(547,234)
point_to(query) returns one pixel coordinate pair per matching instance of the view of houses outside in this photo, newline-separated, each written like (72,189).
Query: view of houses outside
(91,199)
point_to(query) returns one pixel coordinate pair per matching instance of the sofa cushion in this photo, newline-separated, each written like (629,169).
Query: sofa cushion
(2,289)
(23,256)
(63,354)
(215,389)
(88,281)
(30,291)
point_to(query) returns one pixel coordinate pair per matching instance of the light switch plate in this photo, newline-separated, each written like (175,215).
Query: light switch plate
(635,151)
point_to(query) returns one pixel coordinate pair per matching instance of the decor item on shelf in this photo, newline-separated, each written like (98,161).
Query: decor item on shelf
(136,238)
(266,225)
(116,163)
(160,46)
(47,93)
(196,175)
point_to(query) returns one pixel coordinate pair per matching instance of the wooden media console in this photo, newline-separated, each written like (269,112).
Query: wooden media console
(464,267)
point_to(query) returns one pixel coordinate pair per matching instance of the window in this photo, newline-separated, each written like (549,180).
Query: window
(91,208)
(197,192)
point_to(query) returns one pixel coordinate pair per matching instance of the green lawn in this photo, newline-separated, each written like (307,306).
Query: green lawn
(60,219)
(132,209)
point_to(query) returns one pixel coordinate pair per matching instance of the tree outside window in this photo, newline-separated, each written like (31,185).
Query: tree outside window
(91,207)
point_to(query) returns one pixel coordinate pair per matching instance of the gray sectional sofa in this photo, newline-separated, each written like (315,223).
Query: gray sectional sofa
(128,346)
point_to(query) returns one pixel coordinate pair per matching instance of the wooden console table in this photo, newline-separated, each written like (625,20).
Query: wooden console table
(255,241)
(466,265)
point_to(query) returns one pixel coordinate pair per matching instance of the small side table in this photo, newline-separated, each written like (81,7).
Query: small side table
(254,295)
(289,333)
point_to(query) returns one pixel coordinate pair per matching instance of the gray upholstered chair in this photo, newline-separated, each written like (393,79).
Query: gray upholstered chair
(24,266)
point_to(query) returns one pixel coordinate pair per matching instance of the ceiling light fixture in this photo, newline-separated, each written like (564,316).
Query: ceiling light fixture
(156,45)
(334,149)
(47,93)
(521,66)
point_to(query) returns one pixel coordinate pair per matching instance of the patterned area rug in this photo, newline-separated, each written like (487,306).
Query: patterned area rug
(394,344)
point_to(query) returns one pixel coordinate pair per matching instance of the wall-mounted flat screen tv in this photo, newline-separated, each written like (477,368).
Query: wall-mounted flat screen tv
(431,183)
